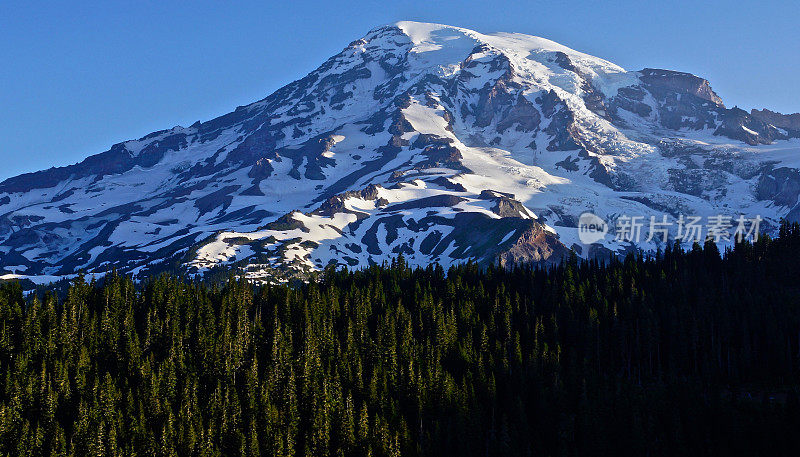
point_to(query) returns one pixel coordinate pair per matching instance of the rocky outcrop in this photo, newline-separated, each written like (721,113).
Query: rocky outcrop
(630,99)
(685,101)
(116,160)
(784,121)
(781,185)
(335,204)
(534,246)
(739,125)
(505,205)
(439,151)
(523,114)
(494,101)
(680,83)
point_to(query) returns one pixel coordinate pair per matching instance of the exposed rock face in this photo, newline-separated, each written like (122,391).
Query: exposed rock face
(631,99)
(685,101)
(505,205)
(781,185)
(667,81)
(437,142)
(739,125)
(523,114)
(439,151)
(535,245)
(336,204)
(784,121)
(116,160)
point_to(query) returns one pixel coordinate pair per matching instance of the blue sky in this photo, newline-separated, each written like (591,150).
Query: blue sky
(76,78)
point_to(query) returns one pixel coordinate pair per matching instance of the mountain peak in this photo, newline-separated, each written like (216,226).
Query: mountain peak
(423,32)
(430,37)
(436,142)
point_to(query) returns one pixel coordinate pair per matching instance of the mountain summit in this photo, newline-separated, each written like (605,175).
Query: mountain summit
(435,142)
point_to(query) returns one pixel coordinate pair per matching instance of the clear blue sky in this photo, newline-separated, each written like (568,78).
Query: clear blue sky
(76,78)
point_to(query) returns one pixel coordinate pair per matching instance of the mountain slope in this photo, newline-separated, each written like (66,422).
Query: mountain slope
(436,142)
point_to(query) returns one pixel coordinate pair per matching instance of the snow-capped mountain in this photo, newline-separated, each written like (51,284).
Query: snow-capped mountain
(436,142)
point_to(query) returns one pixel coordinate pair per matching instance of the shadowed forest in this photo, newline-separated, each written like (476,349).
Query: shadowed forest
(689,352)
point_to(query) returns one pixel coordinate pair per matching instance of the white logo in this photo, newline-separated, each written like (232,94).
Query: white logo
(591,228)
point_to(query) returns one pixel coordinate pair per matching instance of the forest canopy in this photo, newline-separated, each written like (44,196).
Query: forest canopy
(688,352)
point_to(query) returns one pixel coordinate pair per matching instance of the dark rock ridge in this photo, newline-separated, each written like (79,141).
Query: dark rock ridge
(666,81)
(784,121)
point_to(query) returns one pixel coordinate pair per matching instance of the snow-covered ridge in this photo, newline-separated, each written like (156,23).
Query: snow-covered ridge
(437,142)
